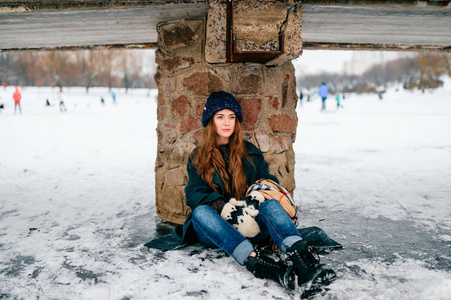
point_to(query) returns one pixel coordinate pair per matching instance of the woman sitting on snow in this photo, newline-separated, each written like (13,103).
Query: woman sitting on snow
(220,171)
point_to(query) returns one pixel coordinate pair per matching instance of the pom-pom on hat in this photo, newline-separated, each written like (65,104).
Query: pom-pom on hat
(218,101)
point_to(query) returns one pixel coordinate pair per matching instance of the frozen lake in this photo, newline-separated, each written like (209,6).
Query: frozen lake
(77,200)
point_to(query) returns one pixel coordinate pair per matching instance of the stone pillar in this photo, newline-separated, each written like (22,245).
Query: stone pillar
(190,67)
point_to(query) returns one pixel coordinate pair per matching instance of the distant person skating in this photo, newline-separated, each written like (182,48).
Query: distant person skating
(4,85)
(61,101)
(337,98)
(323,92)
(301,96)
(113,95)
(102,101)
(2,106)
(17,97)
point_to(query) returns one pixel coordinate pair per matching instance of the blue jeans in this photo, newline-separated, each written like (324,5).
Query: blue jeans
(274,222)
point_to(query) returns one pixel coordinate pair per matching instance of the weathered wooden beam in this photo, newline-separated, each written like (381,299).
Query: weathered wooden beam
(378,47)
(52,5)
(386,3)
(370,27)
(306,45)
(85,27)
(87,47)
(77,4)
(408,25)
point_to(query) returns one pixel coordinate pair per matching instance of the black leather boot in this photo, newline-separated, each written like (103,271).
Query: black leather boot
(265,267)
(307,267)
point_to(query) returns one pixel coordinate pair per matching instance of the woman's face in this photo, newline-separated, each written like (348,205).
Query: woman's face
(225,125)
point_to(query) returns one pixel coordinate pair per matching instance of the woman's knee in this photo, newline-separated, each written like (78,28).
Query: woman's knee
(201,212)
(270,204)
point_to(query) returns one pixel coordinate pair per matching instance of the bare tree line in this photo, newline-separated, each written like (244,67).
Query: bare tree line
(420,71)
(109,68)
(124,68)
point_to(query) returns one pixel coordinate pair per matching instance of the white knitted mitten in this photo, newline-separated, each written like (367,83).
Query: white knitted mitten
(241,217)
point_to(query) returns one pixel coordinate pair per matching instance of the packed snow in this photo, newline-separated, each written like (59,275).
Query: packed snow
(77,199)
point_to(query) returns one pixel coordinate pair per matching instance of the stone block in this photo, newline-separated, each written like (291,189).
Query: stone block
(273,101)
(161,112)
(159,162)
(200,108)
(291,160)
(283,123)
(170,137)
(171,205)
(262,140)
(159,172)
(285,141)
(157,77)
(166,134)
(160,99)
(177,63)
(281,144)
(189,124)
(288,89)
(178,153)
(178,34)
(179,106)
(249,84)
(176,177)
(197,136)
(279,166)
(168,87)
(203,83)
(215,44)
(293,31)
(159,57)
(251,108)
(257,25)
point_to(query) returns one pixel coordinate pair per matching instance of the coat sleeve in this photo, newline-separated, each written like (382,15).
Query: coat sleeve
(198,192)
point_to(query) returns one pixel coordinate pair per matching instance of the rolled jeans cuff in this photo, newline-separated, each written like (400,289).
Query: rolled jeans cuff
(289,241)
(242,252)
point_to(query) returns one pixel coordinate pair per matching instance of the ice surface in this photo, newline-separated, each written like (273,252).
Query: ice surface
(77,200)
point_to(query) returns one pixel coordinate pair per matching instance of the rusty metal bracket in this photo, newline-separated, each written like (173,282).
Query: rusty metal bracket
(234,56)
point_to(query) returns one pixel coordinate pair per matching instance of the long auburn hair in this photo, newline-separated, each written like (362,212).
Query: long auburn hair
(208,158)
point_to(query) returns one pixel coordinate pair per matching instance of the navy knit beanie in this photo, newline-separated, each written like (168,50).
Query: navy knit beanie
(218,101)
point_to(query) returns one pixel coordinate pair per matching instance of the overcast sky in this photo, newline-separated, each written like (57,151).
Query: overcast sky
(332,61)
(319,61)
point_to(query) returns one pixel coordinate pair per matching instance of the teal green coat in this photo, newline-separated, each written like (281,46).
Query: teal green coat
(198,192)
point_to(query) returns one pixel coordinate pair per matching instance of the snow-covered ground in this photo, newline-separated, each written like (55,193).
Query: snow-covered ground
(77,200)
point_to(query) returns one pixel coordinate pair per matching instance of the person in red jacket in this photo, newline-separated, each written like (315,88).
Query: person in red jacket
(17,96)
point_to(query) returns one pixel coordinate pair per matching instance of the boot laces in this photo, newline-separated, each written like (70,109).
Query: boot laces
(267,261)
(309,258)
